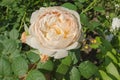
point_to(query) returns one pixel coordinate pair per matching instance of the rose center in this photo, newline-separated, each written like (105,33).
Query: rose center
(58,24)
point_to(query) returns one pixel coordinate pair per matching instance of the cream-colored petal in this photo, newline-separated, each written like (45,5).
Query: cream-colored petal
(31,41)
(73,46)
(47,52)
(60,54)
(34,16)
(74,13)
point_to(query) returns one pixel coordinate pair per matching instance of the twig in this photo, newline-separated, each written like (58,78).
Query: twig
(22,21)
(90,6)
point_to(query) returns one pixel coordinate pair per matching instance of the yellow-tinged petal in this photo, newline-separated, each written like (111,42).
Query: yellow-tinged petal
(44,58)
(23,37)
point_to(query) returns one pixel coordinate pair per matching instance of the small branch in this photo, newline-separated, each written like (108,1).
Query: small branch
(90,6)
(22,21)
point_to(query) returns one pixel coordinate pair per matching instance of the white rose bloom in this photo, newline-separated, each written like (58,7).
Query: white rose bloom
(54,31)
(115,24)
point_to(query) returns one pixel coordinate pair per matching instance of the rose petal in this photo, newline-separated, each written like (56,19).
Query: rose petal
(44,58)
(75,14)
(73,46)
(32,42)
(34,16)
(35,44)
(60,54)
(23,37)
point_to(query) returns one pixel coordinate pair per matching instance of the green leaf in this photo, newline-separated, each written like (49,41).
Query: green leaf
(7,2)
(75,56)
(13,34)
(119,65)
(87,69)
(1,47)
(33,57)
(106,44)
(2,37)
(35,75)
(10,47)
(48,65)
(79,5)
(94,46)
(15,54)
(113,70)
(104,75)
(62,69)
(94,24)
(19,66)
(70,6)
(99,9)
(74,74)
(10,78)
(114,51)
(111,56)
(67,61)
(5,67)
(107,60)
(84,19)
(98,40)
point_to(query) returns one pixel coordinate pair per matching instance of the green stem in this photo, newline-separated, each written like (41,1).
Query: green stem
(90,6)
(7,12)
(22,21)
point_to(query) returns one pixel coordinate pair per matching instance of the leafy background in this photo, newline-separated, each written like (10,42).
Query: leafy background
(96,59)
